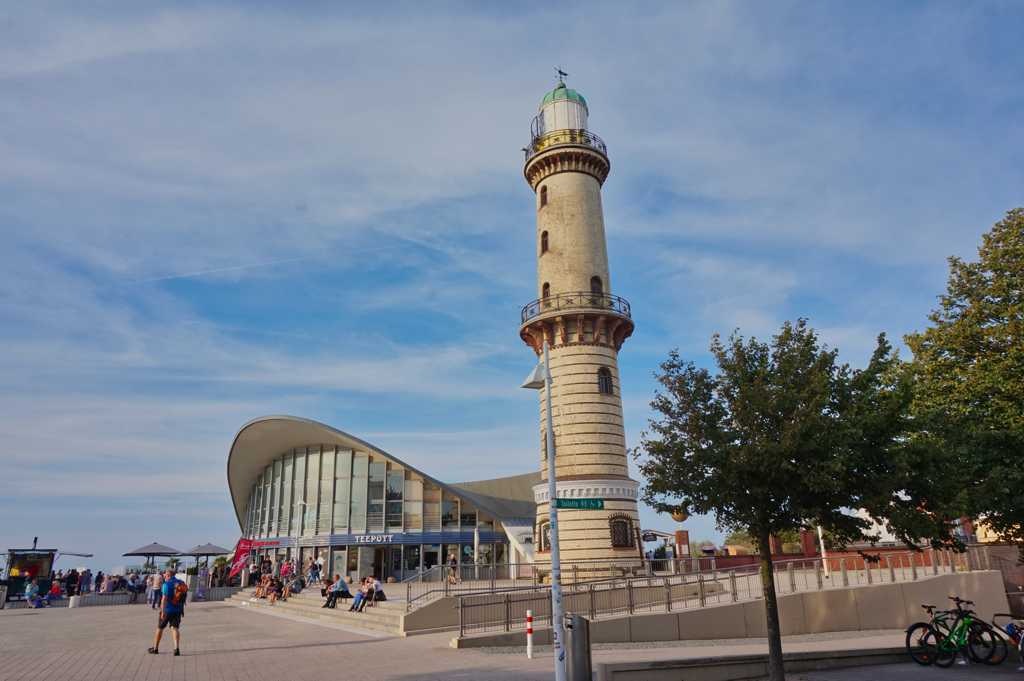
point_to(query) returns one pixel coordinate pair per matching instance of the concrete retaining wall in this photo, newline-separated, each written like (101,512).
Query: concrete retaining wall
(737,667)
(883,606)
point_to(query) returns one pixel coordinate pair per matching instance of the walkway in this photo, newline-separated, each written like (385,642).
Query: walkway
(225,643)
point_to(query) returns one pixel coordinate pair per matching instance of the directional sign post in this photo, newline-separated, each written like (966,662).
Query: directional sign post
(581,504)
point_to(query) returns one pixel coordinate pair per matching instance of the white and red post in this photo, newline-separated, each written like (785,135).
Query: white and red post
(529,634)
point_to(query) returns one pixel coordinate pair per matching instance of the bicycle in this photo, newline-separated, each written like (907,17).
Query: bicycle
(938,641)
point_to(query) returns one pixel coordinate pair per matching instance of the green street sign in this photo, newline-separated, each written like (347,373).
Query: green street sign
(581,504)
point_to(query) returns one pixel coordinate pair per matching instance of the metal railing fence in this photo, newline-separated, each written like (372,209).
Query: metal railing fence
(440,581)
(506,611)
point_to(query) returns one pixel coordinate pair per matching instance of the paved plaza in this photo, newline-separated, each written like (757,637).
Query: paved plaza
(226,643)
(912,672)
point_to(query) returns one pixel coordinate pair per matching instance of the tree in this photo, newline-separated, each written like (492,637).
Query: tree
(968,374)
(781,437)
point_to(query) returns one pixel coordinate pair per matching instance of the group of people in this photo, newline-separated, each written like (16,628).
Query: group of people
(369,592)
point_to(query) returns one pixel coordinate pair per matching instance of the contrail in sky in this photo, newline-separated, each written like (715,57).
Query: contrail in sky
(218,270)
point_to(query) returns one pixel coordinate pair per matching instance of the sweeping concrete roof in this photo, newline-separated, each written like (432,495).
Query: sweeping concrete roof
(262,440)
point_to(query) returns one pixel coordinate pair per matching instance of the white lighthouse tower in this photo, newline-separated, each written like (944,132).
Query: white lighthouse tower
(585,326)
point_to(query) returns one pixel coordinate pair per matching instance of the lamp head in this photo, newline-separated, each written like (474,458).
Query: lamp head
(535,381)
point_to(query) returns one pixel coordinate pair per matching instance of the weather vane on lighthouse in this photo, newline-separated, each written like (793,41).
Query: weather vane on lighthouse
(561,74)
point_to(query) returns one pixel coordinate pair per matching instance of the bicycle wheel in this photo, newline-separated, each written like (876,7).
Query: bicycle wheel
(1000,649)
(922,644)
(981,643)
(945,649)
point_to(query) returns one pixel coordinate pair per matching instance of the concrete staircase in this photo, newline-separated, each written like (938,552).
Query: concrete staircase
(381,619)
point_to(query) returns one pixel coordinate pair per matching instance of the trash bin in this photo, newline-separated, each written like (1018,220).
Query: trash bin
(577,646)
(75,602)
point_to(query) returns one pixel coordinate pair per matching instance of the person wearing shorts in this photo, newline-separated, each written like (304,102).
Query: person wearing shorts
(171,611)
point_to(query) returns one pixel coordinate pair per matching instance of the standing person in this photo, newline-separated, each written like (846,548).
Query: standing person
(99,582)
(156,582)
(172,609)
(85,581)
(453,568)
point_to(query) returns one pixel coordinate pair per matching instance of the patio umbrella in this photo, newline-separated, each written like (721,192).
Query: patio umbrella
(149,551)
(205,550)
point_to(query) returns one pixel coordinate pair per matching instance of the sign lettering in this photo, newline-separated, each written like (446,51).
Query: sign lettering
(581,504)
(374,538)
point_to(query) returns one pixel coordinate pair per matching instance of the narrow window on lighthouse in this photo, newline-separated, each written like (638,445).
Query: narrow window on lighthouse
(543,242)
(604,381)
(621,527)
(545,290)
(596,286)
(543,196)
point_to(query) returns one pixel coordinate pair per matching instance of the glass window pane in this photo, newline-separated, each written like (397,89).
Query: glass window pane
(449,512)
(342,487)
(360,471)
(324,510)
(467,516)
(299,491)
(431,507)
(375,495)
(412,559)
(467,554)
(431,555)
(312,490)
(500,554)
(285,508)
(486,554)
(275,493)
(395,491)
(413,503)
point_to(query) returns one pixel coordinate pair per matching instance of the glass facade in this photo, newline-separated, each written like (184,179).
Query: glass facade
(328,497)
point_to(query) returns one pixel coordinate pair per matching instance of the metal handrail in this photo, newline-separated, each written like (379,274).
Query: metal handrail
(567,136)
(575,300)
(482,612)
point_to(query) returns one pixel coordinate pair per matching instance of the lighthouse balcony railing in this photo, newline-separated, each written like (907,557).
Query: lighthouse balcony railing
(569,136)
(577,300)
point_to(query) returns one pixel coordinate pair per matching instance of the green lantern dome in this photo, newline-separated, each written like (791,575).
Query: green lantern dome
(561,92)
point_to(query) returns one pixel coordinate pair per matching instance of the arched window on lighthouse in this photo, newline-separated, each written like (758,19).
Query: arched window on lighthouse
(621,527)
(596,286)
(604,381)
(545,290)
(543,242)
(543,196)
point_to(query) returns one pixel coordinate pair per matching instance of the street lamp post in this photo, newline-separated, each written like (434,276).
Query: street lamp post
(298,533)
(539,378)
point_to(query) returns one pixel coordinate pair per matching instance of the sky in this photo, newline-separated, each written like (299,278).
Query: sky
(211,212)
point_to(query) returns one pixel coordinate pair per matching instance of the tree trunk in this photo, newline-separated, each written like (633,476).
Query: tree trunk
(776,671)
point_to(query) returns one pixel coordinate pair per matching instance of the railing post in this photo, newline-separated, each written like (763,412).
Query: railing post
(446,583)
(935,562)
(700,590)
(892,570)
(732,586)
(913,567)
(408,596)
(845,574)
(867,570)
(970,561)
(629,596)
(508,611)
(817,575)
(575,574)
(462,619)
(593,604)
(792,577)
(952,561)
(493,569)
(668,595)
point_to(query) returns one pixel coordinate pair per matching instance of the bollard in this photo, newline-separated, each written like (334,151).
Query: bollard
(892,570)
(935,562)
(578,664)
(817,576)
(74,601)
(529,634)
(846,576)
(867,570)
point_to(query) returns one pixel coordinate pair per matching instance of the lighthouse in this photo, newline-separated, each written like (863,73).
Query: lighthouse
(585,325)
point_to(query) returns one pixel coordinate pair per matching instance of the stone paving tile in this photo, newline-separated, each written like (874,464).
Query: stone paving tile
(914,672)
(221,642)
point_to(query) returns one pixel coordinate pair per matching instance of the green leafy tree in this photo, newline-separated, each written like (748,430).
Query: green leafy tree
(780,437)
(968,374)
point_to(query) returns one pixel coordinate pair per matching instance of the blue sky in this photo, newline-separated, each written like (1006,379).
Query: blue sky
(213,211)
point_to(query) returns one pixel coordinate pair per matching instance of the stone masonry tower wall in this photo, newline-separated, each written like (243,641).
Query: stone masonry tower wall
(584,325)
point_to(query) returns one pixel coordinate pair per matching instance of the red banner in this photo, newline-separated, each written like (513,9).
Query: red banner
(242,549)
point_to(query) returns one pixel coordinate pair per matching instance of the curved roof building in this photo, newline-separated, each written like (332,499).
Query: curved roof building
(302,488)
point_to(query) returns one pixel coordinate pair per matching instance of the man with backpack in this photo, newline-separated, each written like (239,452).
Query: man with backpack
(172,608)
